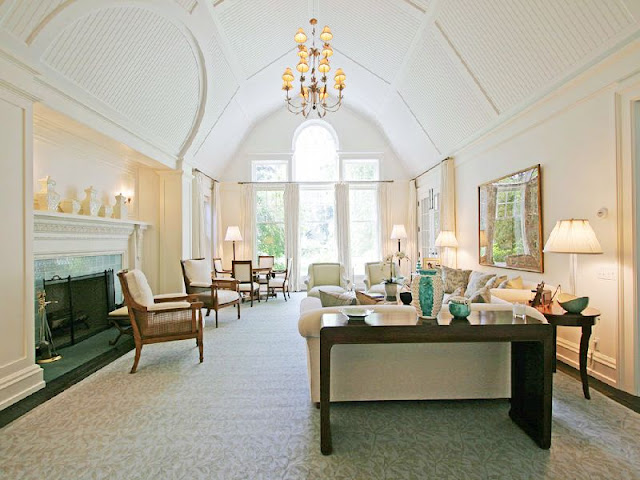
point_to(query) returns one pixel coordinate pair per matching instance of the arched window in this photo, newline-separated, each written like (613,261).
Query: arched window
(315,152)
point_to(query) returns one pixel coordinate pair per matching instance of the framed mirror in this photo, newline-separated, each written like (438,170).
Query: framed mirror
(510,220)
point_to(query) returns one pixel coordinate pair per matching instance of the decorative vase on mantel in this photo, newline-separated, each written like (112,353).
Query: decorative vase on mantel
(90,204)
(120,209)
(47,198)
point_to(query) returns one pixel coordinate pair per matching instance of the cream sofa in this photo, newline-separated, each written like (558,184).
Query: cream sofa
(407,371)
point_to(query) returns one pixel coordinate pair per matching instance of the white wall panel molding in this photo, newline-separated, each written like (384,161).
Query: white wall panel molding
(599,366)
(188,5)
(136,62)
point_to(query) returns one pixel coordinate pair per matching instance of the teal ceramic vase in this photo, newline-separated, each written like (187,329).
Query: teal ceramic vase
(459,307)
(427,292)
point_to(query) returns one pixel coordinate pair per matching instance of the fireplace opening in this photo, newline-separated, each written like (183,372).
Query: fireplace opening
(79,306)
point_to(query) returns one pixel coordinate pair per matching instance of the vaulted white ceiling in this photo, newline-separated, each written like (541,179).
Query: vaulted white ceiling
(189,78)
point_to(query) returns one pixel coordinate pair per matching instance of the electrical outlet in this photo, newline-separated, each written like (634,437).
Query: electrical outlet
(596,344)
(608,274)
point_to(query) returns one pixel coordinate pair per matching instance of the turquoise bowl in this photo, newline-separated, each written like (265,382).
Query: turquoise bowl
(459,310)
(574,305)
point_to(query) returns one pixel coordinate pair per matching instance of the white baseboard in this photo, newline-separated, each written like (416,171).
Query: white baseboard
(599,366)
(20,384)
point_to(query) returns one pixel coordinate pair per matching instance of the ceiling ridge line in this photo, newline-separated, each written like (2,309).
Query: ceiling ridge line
(335,49)
(260,70)
(218,119)
(419,123)
(427,19)
(467,68)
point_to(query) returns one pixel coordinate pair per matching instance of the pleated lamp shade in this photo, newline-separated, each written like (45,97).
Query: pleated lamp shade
(446,238)
(573,236)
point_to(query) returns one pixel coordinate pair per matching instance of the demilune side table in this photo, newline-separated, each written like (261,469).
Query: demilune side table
(558,317)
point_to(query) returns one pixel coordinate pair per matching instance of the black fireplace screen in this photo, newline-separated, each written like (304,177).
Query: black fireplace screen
(79,306)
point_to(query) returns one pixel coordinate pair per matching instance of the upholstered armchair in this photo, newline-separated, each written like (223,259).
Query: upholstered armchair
(242,271)
(376,272)
(280,281)
(162,318)
(214,293)
(330,277)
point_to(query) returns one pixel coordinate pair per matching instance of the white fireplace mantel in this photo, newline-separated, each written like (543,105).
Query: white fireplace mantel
(62,234)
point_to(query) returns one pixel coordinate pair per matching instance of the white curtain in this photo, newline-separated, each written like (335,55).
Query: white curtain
(342,226)
(412,228)
(384,219)
(199,238)
(247,224)
(291,233)
(217,221)
(448,205)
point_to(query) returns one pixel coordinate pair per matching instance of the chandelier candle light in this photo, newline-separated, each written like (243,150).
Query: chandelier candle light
(313,94)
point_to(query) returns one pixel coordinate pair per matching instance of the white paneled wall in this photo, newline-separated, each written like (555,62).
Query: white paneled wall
(107,53)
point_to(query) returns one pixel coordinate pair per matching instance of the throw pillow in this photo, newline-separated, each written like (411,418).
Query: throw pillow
(496,281)
(364,299)
(477,280)
(331,299)
(453,278)
(503,284)
(458,292)
(515,283)
(483,295)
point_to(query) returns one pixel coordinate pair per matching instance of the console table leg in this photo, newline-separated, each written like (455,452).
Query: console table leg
(325,395)
(555,346)
(584,349)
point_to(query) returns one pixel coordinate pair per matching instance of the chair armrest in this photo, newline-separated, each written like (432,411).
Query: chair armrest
(308,282)
(164,307)
(345,283)
(171,297)
(225,283)
(367,283)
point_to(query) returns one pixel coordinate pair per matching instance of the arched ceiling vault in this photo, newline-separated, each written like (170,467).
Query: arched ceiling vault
(189,78)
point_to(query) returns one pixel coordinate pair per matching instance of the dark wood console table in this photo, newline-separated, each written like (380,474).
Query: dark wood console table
(531,357)
(558,317)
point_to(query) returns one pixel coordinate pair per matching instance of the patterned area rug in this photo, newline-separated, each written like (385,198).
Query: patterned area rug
(245,413)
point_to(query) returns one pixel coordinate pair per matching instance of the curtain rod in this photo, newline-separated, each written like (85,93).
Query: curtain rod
(315,183)
(210,178)
(430,168)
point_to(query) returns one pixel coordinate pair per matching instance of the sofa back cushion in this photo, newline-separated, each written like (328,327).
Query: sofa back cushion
(326,273)
(452,278)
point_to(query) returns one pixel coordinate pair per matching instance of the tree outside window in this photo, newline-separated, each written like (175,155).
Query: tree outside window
(270,239)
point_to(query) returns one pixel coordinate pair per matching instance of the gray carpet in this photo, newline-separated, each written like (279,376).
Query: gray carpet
(245,414)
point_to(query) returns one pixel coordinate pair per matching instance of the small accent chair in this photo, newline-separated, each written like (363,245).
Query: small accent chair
(330,277)
(214,293)
(242,271)
(265,261)
(219,269)
(376,272)
(173,316)
(281,280)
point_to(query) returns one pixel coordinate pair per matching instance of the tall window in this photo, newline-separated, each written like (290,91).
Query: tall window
(269,170)
(315,155)
(429,223)
(270,225)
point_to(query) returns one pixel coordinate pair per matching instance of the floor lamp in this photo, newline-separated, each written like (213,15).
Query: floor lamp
(573,237)
(233,235)
(446,239)
(398,232)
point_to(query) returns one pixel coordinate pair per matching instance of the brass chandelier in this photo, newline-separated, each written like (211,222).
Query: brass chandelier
(313,95)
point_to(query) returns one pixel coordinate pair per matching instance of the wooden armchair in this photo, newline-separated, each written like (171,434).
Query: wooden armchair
(214,293)
(265,264)
(161,319)
(281,280)
(243,273)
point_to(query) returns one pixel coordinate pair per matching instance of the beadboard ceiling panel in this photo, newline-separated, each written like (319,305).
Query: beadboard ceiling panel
(260,32)
(188,5)
(440,96)
(24,17)
(514,48)
(377,37)
(222,86)
(137,63)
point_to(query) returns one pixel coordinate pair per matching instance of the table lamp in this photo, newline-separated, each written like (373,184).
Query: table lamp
(573,236)
(446,238)
(398,232)
(233,235)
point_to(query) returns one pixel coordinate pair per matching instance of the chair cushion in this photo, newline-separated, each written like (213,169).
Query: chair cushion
(333,299)
(201,284)
(246,287)
(378,288)
(226,296)
(177,295)
(379,272)
(328,274)
(168,306)
(277,282)
(139,287)
(120,312)
(198,271)
(315,291)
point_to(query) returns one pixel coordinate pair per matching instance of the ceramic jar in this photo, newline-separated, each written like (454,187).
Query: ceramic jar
(106,211)
(47,198)
(427,292)
(120,209)
(459,307)
(90,204)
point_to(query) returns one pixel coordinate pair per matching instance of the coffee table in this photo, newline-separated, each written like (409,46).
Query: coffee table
(531,356)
